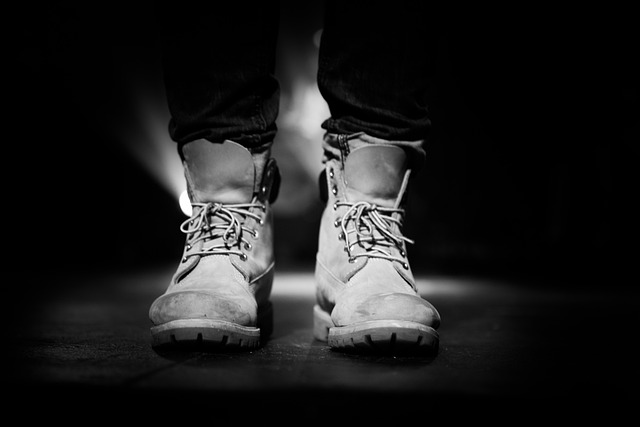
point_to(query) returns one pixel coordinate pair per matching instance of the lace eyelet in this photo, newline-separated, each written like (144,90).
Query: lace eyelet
(405,265)
(188,247)
(255,234)
(331,174)
(243,257)
(336,223)
(341,236)
(334,190)
(248,246)
(352,260)
(403,254)
(184,259)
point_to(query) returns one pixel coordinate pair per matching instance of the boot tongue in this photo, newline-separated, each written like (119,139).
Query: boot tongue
(375,174)
(219,172)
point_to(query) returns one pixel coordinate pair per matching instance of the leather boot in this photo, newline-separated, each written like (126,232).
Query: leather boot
(366,294)
(219,295)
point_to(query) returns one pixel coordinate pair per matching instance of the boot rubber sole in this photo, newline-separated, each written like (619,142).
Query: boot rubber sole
(209,334)
(374,336)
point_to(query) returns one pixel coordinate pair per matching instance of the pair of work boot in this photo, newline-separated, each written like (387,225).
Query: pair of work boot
(366,297)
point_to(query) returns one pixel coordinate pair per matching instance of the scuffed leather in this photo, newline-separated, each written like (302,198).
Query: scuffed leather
(367,288)
(223,287)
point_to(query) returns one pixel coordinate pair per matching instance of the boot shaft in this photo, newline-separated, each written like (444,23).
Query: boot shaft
(228,173)
(231,191)
(364,189)
(370,169)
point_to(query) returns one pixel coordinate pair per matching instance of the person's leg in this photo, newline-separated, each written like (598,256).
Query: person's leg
(218,61)
(373,72)
(374,68)
(218,64)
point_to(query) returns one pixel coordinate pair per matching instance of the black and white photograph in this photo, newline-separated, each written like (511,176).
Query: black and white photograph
(322,211)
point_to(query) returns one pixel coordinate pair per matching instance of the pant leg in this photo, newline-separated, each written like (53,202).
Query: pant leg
(373,71)
(218,63)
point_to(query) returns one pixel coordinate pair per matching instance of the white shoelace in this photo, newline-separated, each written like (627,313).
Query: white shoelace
(226,234)
(372,230)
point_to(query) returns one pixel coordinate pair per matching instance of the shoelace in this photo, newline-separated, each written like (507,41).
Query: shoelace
(230,230)
(372,229)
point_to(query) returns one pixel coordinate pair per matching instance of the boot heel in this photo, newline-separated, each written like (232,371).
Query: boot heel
(321,323)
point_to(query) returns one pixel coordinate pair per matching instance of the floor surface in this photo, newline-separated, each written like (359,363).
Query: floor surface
(504,344)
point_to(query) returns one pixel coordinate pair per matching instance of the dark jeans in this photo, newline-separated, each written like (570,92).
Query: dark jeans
(219,62)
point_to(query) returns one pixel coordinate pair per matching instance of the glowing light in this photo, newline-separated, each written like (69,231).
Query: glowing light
(145,136)
(302,285)
(304,111)
(317,36)
(185,203)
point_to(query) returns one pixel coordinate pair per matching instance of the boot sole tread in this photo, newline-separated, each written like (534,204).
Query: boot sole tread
(210,334)
(205,333)
(376,336)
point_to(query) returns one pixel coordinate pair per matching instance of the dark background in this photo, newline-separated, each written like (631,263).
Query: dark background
(532,164)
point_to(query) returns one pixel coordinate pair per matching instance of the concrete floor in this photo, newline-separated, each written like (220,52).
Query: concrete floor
(504,344)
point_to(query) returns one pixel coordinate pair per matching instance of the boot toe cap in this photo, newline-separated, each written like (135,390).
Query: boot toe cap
(388,306)
(194,304)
